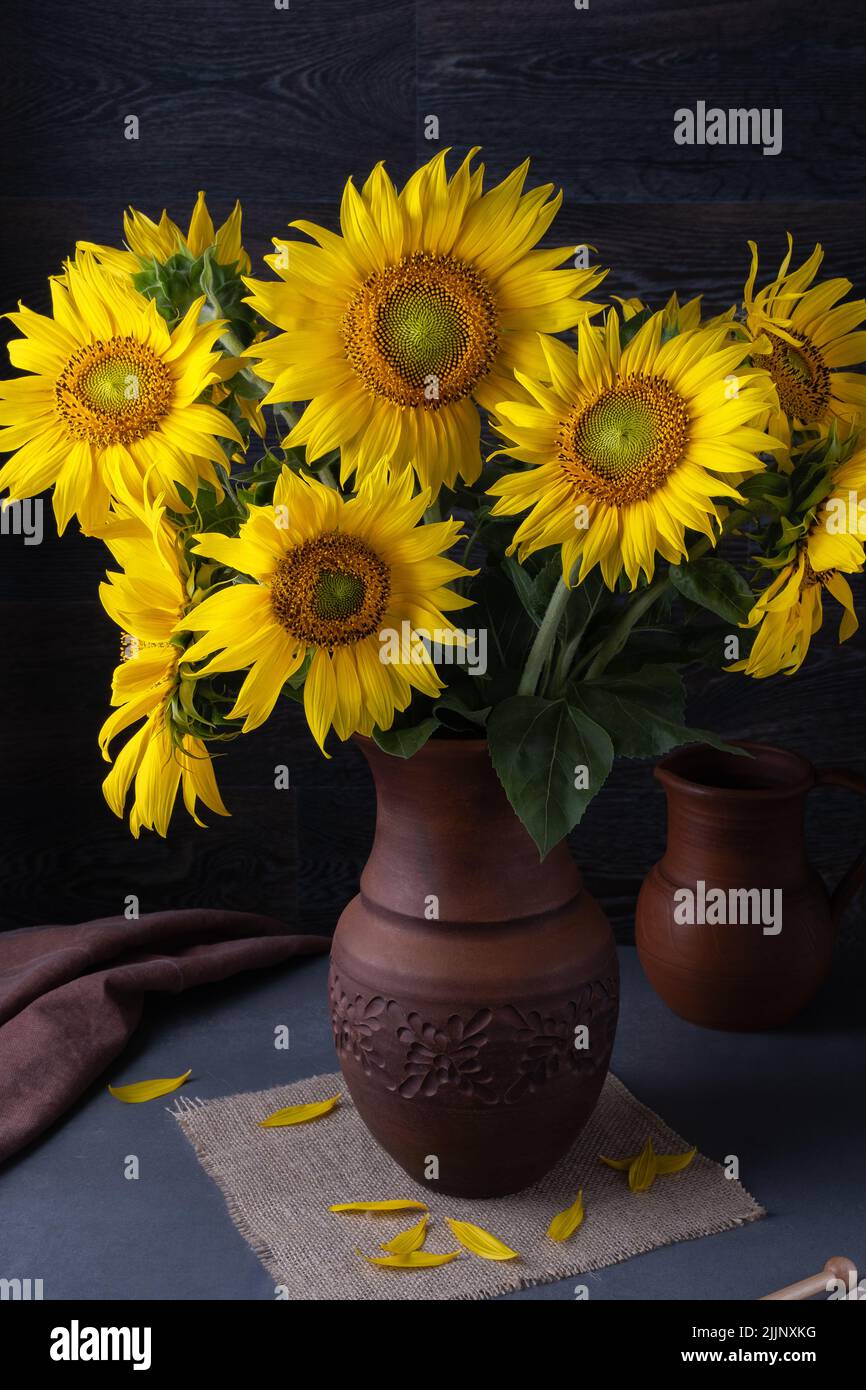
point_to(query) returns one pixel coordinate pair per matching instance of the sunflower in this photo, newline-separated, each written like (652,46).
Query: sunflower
(159,241)
(425,303)
(335,581)
(626,445)
(791,609)
(810,336)
(113,396)
(146,601)
(676,317)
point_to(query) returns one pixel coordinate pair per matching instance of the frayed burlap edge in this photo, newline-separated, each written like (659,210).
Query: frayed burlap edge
(513,1279)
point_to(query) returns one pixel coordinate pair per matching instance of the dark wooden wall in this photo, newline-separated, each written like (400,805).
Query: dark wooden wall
(278,107)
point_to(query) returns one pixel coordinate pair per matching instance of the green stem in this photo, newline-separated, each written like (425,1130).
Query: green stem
(563,666)
(467,549)
(544,640)
(599,660)
(226,481)
(234,347)
(228,338)
(288,417)
(619,633)
(325,476)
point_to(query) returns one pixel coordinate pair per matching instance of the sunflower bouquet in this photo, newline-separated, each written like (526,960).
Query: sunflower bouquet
(423,484)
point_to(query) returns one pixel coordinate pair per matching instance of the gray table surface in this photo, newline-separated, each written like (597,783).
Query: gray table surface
(790,1104)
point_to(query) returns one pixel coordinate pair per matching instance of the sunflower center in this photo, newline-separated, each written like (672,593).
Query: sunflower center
(800,377)
(338,595)
(422,333)
(623,445)
(331,591)
(113,392)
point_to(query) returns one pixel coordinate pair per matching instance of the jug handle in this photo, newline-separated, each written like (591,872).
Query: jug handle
(856,875)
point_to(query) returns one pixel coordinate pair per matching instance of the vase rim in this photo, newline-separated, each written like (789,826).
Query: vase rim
(473,745)
(783,774)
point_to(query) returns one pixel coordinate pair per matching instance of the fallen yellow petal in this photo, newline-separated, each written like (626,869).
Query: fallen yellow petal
(566,1222)
(645,1167)
(480,1242)
(642,1172)
(674,1163)
(299,1114)
(410,1240)
(393,1204)
(413,1259)
(138,1091)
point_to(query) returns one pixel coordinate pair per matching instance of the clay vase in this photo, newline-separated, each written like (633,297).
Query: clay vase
(473,989)
(737,824)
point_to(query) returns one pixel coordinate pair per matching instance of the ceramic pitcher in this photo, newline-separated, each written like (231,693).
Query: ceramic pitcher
(734,926)
(473,988)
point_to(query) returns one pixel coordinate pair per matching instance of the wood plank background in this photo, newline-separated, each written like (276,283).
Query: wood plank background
(278,107)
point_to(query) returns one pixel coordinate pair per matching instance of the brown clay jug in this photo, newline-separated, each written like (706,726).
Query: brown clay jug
(473,989)
(734,927)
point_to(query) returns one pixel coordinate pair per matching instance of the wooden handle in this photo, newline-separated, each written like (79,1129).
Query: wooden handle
(836,1268)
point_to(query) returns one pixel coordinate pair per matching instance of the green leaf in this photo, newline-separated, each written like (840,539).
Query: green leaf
(402,743)
(536,591)
(768,491)
(585,602)
(661,645)
(540,749)
(454,713)
(495,533)
(629,328)
(643,713)
(716,585)
(510,630)
(175,284)
(524,587)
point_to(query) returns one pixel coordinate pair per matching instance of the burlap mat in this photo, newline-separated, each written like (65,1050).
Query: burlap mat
(279,1183)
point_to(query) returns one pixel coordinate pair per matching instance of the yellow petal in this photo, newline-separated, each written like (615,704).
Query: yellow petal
(674,1163)
(393,1204)
(299,1114)
(201,233)
(646,1166)
(408,1241)
(642,1172)
(138,1091)
(413,1259)
(566,1222)
(480,1242)
(252,413)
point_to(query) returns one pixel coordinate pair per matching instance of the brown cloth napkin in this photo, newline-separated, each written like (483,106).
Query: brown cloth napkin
(71,997)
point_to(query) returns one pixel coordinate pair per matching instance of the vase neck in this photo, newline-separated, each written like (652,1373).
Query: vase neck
(448,845)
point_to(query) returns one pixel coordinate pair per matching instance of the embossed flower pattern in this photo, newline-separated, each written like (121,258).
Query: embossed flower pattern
(355,1024)
(551,1043)
(540,1045)
(449,1056)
